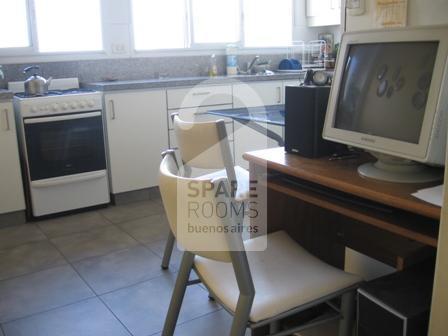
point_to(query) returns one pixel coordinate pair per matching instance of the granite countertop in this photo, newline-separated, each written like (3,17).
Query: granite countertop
(273,115)
(6,95)
(185,81)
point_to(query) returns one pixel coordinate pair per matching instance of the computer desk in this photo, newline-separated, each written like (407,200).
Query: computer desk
(326,206)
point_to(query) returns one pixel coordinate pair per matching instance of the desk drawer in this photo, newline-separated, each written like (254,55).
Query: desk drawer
(199,96)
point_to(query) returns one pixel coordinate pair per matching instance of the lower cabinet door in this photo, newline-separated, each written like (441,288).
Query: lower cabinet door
(137,134)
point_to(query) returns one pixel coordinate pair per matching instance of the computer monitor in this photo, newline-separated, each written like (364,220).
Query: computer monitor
(390,97)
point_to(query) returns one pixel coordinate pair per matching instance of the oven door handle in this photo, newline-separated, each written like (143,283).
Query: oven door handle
(62,118)
(68,179)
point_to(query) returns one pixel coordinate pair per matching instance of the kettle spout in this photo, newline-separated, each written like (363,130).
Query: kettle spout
(48,82)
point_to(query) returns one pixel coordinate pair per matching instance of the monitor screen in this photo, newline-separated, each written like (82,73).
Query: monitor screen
(384,89)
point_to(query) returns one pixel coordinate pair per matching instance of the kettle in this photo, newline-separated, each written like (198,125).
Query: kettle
(36,85)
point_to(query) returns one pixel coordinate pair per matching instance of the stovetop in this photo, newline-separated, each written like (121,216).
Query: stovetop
(52,93)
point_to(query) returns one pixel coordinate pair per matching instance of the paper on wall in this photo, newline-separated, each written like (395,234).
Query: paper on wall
(391,13)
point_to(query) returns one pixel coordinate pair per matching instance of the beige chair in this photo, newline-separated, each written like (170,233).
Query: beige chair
(257,288)
(205,146)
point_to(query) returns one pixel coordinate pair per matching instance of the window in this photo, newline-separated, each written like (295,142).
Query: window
(174,24)
(159,24)
(215,21)
(268,23)
(14,24)
(68,25)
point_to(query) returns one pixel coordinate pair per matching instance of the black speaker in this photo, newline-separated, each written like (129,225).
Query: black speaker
(305,109)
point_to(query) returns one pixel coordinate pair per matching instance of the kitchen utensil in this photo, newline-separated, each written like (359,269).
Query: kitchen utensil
(36,85)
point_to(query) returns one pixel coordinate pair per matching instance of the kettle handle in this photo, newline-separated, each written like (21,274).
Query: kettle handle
(33,67)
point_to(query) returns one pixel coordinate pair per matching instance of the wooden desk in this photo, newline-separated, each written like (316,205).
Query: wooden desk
(326,205)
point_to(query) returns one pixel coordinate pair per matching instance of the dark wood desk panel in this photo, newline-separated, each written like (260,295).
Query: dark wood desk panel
(406,231)
(342,175)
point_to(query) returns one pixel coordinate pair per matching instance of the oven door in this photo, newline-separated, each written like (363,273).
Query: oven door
(64,145)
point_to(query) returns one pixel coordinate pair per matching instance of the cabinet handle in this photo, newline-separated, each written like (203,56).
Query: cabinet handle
(279,95)
(205,93)
(112,110)
(7,125)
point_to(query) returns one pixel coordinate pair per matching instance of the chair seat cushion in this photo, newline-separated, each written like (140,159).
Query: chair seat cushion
(242,177)
(285,276)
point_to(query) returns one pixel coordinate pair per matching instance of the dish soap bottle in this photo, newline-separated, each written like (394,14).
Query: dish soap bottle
(232,60)
(213,67)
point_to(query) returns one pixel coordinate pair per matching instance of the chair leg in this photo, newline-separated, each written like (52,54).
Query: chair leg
(348,311)
(178,294)
(168,251)
(241,317)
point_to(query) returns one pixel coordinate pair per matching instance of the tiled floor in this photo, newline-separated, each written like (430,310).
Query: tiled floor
(95,274)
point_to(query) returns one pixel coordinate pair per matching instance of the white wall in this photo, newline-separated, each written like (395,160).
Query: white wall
(420,12)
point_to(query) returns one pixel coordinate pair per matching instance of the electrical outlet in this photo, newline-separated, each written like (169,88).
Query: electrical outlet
(118,48)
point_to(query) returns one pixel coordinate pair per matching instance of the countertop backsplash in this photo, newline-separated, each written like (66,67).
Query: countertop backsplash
(130,68)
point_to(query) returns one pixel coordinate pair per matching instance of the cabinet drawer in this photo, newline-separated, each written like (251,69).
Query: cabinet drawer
(258,94)
(197,114)
(199,96)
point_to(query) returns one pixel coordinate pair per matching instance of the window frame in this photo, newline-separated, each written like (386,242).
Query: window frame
(32,51)
(13,51)
(192,46)
(218,45)
(32,54)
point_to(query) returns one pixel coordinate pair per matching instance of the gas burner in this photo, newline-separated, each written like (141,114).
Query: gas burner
(56,93)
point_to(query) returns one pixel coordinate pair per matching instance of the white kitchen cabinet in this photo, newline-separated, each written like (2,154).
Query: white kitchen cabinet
(258,94)
(199,96)
(11,187)
(323,12)
(137,134)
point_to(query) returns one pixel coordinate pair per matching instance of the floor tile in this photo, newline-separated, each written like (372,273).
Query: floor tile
(87,318)
(123,213)
(18,235)
(216,324)
(147,229)
(29,258)
(142,308)
(72,224)
(93,243)
(120,269)
(41,291)
(158,248)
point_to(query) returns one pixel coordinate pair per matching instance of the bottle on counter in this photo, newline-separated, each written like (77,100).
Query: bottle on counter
(232,60)
(213,67)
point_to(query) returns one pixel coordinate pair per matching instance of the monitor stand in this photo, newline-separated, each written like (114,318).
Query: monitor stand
(392,169)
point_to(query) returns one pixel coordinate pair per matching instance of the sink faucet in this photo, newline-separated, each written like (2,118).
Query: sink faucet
(252,64)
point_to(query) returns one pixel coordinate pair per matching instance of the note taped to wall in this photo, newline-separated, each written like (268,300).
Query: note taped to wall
(391,13)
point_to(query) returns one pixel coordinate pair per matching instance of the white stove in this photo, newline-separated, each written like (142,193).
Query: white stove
(59,102)
(61,137)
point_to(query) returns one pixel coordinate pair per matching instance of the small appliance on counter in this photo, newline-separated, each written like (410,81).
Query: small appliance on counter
(305,109)
(62,146)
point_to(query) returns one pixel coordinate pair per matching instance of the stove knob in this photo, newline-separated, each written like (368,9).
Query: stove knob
(64,106)
(91,103)
(72,105)
(34,109)
(55,107)
(82,104)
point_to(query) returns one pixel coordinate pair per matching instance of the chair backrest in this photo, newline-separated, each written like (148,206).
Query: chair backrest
(198,212)
(204,145)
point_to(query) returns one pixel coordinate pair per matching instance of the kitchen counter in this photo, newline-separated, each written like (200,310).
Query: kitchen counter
(6,95)
(184,81)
